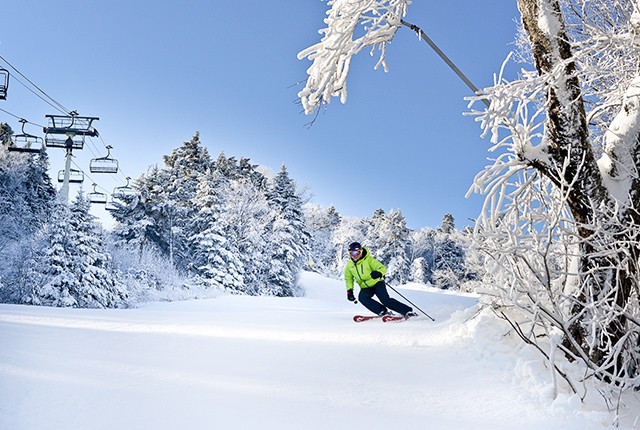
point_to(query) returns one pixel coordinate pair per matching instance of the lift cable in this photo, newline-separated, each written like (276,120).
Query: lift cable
(54,101)
(58,106)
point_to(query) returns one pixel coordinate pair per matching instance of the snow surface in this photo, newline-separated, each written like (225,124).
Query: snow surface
(272,363)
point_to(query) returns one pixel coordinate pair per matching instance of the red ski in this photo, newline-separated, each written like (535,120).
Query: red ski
(394,318)
(361,318)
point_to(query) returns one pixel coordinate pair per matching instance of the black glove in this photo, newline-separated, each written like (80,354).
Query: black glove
(350,296)
(376,275)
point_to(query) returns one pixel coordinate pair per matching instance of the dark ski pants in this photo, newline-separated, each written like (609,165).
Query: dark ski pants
(380,290)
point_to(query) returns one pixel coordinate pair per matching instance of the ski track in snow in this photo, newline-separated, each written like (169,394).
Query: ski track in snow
(265,363)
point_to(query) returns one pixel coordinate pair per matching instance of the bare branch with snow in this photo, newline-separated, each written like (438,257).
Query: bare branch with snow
(375,20)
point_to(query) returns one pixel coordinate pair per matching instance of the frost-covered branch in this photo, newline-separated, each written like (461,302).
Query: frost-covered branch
(352,25)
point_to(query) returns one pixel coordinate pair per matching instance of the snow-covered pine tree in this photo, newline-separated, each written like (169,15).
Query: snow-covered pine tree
(288,245)
(351,229)
(449,256)
(213,258)
(99,287)
(72,266)
(140,221)
(394,245)
(420,271)
(5,134)
(373,227)
(422,255)
(185,166)
(26,200)
(448,225)
(248,219)
(322,224)
(165,205)
(26,195)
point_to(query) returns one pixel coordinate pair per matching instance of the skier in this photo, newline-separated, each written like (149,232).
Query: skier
(369,274)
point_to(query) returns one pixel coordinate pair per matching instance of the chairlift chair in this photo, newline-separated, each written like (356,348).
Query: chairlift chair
(96,196)
(71,125)
(123,192)
(75,176)
(70,142)
(26,142)
(111,205)
(4,83)
(104,164)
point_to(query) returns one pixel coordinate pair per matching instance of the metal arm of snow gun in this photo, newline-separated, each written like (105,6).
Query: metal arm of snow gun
(414,305)
(446,59)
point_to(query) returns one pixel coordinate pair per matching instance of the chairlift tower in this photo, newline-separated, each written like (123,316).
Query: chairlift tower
(73,129)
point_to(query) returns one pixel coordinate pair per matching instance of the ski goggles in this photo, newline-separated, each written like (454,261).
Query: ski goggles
(355,252)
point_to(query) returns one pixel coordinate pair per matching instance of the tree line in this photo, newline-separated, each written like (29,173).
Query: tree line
(194,226)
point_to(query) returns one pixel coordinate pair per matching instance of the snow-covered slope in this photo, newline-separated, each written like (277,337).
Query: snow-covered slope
(272,363)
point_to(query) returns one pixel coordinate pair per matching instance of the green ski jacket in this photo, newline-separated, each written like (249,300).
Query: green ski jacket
(360,271)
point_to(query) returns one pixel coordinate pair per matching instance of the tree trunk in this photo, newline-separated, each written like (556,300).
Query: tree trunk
(606,279)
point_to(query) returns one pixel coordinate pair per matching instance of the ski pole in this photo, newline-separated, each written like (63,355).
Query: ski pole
(400,294)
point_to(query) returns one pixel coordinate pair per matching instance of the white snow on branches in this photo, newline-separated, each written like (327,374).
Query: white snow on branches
(331,57)
(617,164)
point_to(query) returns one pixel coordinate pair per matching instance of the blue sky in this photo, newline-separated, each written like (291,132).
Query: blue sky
(157,72)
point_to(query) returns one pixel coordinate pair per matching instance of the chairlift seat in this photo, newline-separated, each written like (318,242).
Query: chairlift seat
(104,164)
(69,142)
(97,197)
(71,125)
(75,176)
(26,143)
(4,83)
(122,192)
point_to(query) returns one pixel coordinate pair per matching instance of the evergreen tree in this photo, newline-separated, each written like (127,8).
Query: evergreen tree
(72,268)
(5,134)
(351,229)
(394,246)
(165,209)
(420,271)
(449,268)
(26,195)
(185,167)
(26,200)
(373,228)
(423,255)
(448,224)
(140,222)
(322,224)
(214,259)
(290,238)
(248,220)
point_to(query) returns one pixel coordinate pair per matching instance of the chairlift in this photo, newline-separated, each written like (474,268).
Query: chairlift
(4,83)
(73,126)
(96,196)
(111,205)
(75,176)
(26,142)
(70,142)
(124,191)
(104,164)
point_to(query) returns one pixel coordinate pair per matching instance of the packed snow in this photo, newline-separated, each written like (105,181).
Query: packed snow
(248,362)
